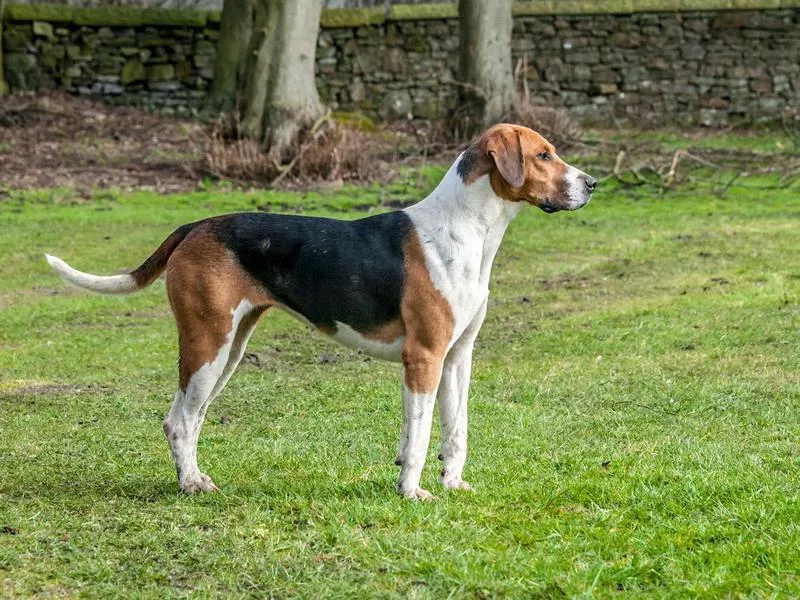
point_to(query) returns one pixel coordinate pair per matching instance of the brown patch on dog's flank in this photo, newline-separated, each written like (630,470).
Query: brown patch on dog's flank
(428,321)
(326,329)
(386,333)
(205,284)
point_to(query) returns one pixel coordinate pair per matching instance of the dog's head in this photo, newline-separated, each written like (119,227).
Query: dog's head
(523,167)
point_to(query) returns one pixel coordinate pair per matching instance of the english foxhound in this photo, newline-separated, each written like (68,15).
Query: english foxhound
(409,286)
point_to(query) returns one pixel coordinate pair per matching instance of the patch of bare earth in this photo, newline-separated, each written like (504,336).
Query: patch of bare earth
(60,141)
(57,140)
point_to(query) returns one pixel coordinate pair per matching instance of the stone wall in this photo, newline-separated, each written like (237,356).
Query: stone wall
(658,60)
(152,58)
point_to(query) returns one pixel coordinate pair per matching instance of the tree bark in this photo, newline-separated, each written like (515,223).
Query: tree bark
(282,96)
(230,63)
(258,69)
(3,84)
(485,58)
(293,102)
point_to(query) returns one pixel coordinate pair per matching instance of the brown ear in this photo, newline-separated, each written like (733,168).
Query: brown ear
(505,149)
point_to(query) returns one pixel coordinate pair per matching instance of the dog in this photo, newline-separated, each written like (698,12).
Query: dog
(409,286)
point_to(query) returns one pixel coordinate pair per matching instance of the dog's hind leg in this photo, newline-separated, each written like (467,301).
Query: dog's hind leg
(243,332)
(200,385)
(216,307)
(182,428)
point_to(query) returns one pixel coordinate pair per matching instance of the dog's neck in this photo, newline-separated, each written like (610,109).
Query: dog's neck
(459,212)
(453,205)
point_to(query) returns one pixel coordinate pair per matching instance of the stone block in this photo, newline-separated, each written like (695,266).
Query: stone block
(603,89)
(162,72)
(133,70)
(205,47)
(771,105)
(79,52)
(761,86)
(165,86)
(658,63)
(396,61)
(396,105)
(357,91)
(693,52)
(111,89)
(588,57)
(602,74)
(55,51)
(42,29)
(626,40)
(712,102)
(203,61)
(183,69)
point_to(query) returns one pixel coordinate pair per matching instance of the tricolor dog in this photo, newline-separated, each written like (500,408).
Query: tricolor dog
(409,286)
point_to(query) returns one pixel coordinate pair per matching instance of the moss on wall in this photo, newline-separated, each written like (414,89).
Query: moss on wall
(355,17)
(127,16)
(408,12)
(39,12)
(352,17)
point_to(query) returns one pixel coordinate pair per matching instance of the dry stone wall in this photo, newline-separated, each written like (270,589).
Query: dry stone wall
(670,61)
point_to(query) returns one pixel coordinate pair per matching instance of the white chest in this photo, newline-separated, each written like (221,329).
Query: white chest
(460,230)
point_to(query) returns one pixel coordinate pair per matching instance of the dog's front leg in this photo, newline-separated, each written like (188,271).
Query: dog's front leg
(453,395)
(422,372)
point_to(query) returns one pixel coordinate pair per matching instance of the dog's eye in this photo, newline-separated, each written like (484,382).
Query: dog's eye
(545,156)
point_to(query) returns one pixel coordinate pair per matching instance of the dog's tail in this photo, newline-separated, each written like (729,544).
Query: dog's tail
(141,277)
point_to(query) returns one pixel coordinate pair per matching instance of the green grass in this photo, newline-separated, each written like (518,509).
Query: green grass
(634,424)
(755,141)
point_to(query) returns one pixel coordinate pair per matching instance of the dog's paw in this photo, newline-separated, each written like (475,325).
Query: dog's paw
(197,484)
(454,483)
(457,484)
(417,494)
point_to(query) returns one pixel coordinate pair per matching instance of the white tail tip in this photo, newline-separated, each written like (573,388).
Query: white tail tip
(113,284)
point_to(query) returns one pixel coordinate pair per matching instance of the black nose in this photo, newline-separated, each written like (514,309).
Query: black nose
(591,183)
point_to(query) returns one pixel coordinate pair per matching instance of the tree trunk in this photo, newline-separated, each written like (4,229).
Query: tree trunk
(485,58)
(231,60)
(282,96)
(3,85)
(293,102)
(259,65)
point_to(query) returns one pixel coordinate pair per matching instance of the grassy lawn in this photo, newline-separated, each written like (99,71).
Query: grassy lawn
(634,426)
